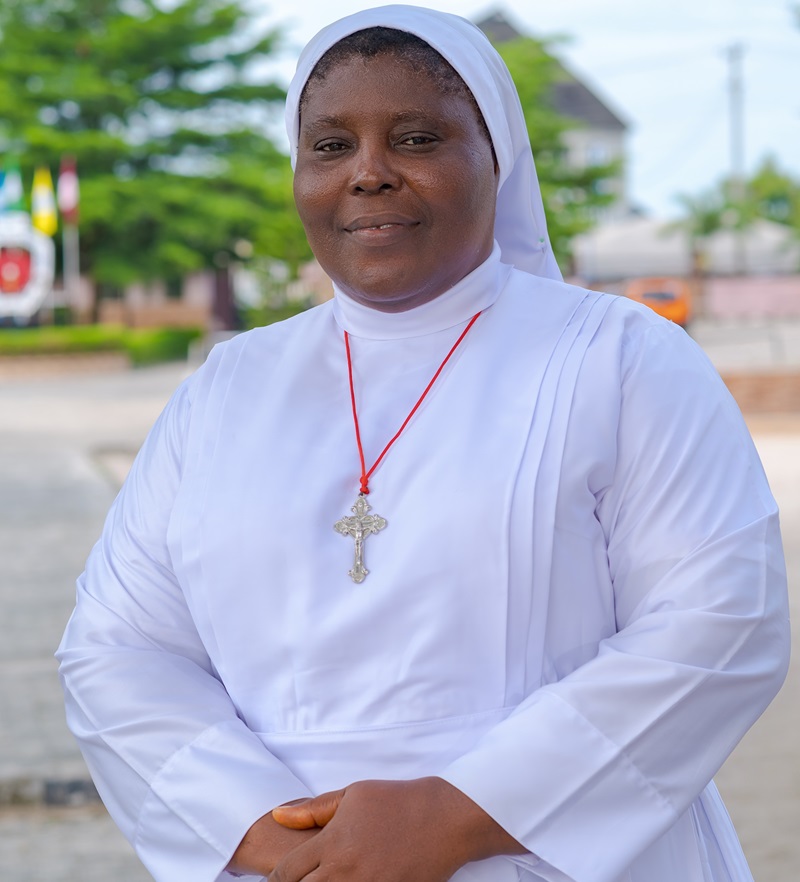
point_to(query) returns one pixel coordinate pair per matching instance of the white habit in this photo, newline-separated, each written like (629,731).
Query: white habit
(576,610)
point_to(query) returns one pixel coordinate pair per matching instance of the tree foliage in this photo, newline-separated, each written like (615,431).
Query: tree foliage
(573,196)
(166,111)
(770,194)
(774,194)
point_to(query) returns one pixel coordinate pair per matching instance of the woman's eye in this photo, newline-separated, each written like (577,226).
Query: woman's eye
(417,140)
(331,146)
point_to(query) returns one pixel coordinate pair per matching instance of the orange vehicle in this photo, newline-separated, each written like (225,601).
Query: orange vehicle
(669,297)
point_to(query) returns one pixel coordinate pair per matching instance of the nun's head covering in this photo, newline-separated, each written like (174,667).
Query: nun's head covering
(520,227)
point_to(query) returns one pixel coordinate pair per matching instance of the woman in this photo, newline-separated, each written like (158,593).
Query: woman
(565,600)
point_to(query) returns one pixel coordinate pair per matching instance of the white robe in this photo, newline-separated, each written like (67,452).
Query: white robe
(576,610)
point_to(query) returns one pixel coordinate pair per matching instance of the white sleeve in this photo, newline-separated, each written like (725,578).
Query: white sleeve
(180,773)
(588,771)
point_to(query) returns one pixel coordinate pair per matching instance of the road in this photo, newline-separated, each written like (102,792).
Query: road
(65,444)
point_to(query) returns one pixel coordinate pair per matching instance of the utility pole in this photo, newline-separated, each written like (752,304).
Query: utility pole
(735,55)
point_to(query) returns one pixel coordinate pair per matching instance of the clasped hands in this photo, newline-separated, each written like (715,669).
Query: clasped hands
(373,831)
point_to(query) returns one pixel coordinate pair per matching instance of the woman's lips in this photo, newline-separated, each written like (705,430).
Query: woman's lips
(380,230)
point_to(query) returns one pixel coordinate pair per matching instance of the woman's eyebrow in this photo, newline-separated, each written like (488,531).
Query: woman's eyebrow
(342,122)
(324,122)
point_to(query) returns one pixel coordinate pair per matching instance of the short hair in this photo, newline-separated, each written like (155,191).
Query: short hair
(372,42)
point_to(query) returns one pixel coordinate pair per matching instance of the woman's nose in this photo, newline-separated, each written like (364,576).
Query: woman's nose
(374,170)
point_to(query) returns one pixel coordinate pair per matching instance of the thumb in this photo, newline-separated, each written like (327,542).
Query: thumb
(304,815)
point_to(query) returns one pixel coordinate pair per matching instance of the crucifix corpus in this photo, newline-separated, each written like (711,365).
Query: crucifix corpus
(359,525)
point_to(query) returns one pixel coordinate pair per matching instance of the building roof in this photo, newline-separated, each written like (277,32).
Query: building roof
(497,28)
(571,97)
(574,99)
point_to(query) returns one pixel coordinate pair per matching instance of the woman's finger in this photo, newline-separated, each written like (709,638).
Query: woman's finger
(315,812)
(296,817)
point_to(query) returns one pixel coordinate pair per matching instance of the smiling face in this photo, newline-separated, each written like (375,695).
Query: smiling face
(395,181)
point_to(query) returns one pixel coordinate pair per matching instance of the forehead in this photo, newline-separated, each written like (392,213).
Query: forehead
(373,42)
(384,85)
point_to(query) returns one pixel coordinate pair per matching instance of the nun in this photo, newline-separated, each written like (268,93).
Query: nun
(468,574)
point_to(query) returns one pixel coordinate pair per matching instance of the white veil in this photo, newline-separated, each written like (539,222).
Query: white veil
(520,227)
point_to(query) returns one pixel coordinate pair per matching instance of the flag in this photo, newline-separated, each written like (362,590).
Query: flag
(12,197)
(68,192)
(43,202)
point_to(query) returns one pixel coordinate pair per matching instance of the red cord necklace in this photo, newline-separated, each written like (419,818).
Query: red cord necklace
(360,524)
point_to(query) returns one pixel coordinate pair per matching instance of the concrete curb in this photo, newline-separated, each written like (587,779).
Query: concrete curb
(47,792)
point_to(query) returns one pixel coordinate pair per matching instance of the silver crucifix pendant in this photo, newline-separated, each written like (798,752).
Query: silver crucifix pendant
(359,526)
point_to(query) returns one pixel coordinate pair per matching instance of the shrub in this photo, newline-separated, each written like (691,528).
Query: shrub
(143,345)
(61,340)
(153,345)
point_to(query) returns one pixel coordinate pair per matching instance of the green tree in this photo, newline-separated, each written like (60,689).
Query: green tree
(166,111)
(774,194)
(771,194)
(573,197)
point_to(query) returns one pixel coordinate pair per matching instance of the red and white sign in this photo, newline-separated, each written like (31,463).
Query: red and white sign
(27,266)
(15,269)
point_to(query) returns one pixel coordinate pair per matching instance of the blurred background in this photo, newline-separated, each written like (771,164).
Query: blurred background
(146,212)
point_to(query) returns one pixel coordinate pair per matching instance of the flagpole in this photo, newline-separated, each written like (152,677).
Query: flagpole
(68,199)
(72,270)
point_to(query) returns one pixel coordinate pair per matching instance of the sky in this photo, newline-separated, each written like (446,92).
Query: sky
(661,66)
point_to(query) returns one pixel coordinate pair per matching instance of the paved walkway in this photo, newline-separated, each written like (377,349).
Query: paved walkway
(761,780)
(65,444)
